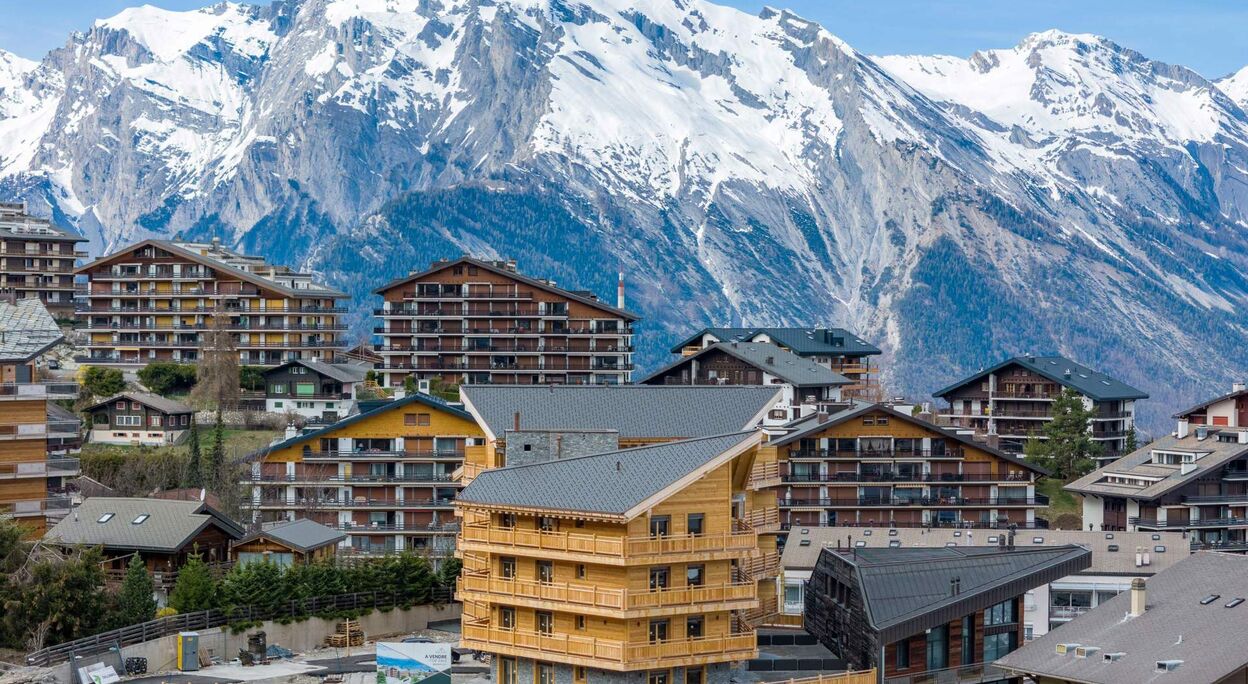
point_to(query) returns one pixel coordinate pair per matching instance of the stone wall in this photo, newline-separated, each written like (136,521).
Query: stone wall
(538,446)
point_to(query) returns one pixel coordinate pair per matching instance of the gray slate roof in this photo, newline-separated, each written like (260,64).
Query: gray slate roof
(342,372)
(171,526)
(1235,394)
(1104,562)
(802,341)
(168,406)
(302,535)
(609,483)
(907,590)
(26,330)
(1211,640)
(1139,463)
(769,358)
(1082,379)
(635,411)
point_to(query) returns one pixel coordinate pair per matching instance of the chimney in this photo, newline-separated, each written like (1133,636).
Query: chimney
(1238,387)
(955,586)
(619,292)
(516,421)
(291,431)
(1183,429)
(824,417)
(993,440)
(400,393)
(1137,597)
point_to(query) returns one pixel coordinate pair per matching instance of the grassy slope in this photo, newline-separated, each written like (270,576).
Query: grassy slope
(1060,501)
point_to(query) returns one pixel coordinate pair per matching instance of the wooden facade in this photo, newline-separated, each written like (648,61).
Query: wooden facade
(471,321)
(877,467)
(160,301)
(32,478)
(37,259)
(387,479)
(675,591)
(127,419)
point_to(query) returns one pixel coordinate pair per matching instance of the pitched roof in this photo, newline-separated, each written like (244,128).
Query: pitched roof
(26,330)
(532,282)
(613,483)
(170,526)
(857,408)
(1084,380)
(302,535)
(906,591)
(1211,455)
(220,265)
(1206,404)
(768,358)
(801,341)
(635,411)
(373,410)
(16,223)
(1210,639)
(147,399)
(342,372)
(1104,562)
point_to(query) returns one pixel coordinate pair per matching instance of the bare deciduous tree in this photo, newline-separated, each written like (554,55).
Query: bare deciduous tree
(216,386)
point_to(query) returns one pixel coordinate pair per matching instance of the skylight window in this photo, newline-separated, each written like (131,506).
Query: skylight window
(804,542)
(105,518)
(1233,602)
(860,544)
(141,519)
(1210,599)
(1037,540)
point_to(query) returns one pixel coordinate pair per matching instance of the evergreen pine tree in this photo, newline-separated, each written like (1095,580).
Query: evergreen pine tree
(135,602)
(194,476)
(1132,441)
(195,589)
(211,467)
(1068,452)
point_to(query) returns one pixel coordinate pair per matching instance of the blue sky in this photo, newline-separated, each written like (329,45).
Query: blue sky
(1207,35)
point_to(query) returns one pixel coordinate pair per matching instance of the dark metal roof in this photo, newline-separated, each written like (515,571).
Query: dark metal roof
(1065,372)
(858,408)
(1232,395)
(579,295)
(610,483)
(167,406)
(801,341)
(342,372)
(302,535)
(417,398)
(1210,639)
(907,591)
(635,411)
(768,358)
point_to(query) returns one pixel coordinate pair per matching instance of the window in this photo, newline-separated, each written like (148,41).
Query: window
(134,406)
(777,414)
(999,645)
(695,524)
(545,622)
(507,567)
(578,674)
(868,420)
(580,571)
(547,523)
(129,421)
(881,420)
(659,631)
(506,617)
(1159,549)
(902,659)
(141,519)
(154,421)
(695,575)
(545,571)
(105,518)
(507,520)
(938,648)
(545,673)
(658,677)
(694,675)
(693,627)
(660,526)
(1001,614)
(277,388)
(580,622)
(121,406)
(968,640)
(420,419)
(659,578)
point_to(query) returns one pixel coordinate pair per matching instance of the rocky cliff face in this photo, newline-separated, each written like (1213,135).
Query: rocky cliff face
(1065,195)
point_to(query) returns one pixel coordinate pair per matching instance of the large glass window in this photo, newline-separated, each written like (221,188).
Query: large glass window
(545,622)
(506,671)
(658,631)
(1003,613)
(938,648)
(660,526)
(968,639)
(902,660)
(545,673)
(999,645)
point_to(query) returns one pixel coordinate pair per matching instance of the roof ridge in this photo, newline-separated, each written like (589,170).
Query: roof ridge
(631,450)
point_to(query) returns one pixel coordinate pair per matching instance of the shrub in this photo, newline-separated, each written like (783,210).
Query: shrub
(167,378)
(102,382)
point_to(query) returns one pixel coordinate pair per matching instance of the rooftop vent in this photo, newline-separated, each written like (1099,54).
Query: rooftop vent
(1063,649)
(1168,665)
(1202,433)
(1085,651)
(1114,657)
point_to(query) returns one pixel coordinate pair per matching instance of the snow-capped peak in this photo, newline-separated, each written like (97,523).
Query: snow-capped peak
(169,34)
(1236,86)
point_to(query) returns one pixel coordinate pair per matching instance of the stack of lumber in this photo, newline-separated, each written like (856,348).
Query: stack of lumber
(349,634)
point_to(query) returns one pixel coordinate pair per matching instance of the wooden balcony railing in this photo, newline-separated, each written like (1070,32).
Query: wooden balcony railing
(617,546)
(610,598)
(764,475)
(608,652)
(763,520)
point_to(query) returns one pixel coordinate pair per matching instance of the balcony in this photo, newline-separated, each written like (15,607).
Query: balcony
(978,673)
(304,503)
(383,455)
(52,467)
(1039,524)
(764,475)
(609,653)
(516,294)
(38,390)
(827,454)
(1218,499)
(891,476)
(592,597)
(616,549)
(40,430)
(433,478)
(51,507)
(903,502)
(369,528)
(1153,524)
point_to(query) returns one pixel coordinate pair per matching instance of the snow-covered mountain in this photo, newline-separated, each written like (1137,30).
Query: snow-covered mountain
(1064,195)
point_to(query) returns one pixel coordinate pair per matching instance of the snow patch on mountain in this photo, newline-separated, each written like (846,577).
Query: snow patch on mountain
(1236,86)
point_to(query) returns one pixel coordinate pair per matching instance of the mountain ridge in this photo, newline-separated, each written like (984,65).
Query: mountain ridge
(1066,194)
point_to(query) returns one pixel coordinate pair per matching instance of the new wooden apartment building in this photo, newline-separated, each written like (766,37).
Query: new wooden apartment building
(161,300)
(645,564)
(37,259)
(32,478)
(870,465)
(478,322)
